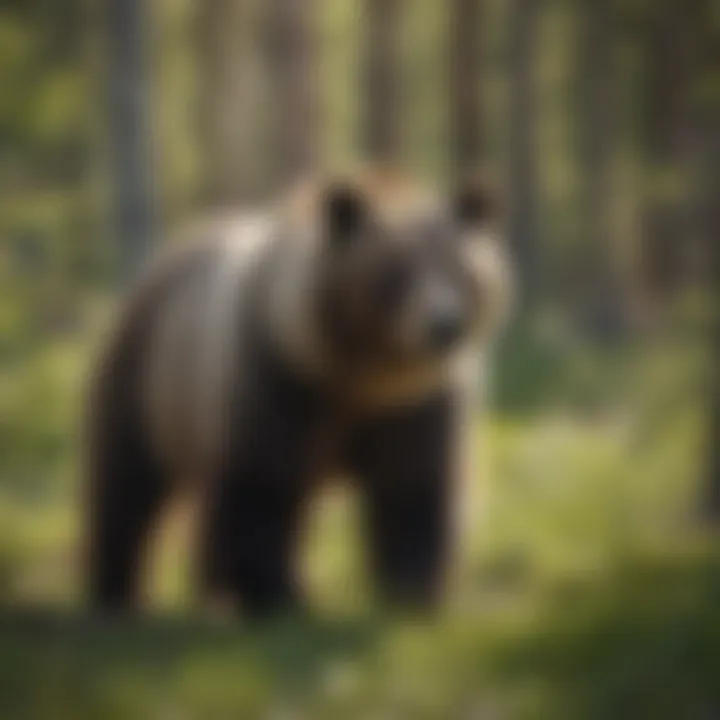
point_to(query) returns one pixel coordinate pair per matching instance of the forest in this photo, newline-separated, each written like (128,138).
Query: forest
(590,584)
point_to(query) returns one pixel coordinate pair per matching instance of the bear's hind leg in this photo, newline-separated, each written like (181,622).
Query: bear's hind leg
(126,490)
(126,495)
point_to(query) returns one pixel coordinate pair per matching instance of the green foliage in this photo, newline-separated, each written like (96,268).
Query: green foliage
(583,591)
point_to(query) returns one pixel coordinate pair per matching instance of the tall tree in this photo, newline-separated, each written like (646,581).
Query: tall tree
(380,80)
(523,30)
(224,110)
(666,130)
(129,129)
(712,496)
(707,113)
(596,101)
(294,86)
(464,82)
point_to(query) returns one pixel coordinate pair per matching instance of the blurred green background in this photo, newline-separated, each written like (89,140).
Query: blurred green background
(589,584)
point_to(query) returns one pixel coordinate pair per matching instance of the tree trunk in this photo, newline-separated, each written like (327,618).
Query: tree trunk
(223,100)
(710,182)
(597,100)
(712,482)
(129,128)
(666,131)
(380,80)
(708,114)
(522,222)
(293,81)
(464,82)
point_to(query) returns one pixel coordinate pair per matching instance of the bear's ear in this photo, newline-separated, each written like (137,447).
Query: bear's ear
(475,202)
(344,213)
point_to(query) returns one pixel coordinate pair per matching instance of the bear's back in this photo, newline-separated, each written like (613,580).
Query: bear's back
(190,305)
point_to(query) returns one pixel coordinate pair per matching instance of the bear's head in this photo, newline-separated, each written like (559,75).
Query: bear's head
(395,280)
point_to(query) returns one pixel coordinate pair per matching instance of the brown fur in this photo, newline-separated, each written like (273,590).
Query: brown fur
(392,193)
(260,360)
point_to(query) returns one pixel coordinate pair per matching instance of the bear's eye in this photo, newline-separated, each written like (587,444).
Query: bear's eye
(475,203)
(392,284)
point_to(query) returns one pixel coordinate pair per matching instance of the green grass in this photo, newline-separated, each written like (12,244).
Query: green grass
(584,589)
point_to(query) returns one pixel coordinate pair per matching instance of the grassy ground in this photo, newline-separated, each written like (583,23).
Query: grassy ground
(584,590)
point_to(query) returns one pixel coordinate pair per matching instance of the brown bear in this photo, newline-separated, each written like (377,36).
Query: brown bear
(329,334)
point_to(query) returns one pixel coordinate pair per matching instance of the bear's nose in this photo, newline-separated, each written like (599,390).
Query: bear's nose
(446,328)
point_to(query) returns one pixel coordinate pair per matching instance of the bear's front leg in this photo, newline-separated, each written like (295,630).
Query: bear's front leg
(404,462)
